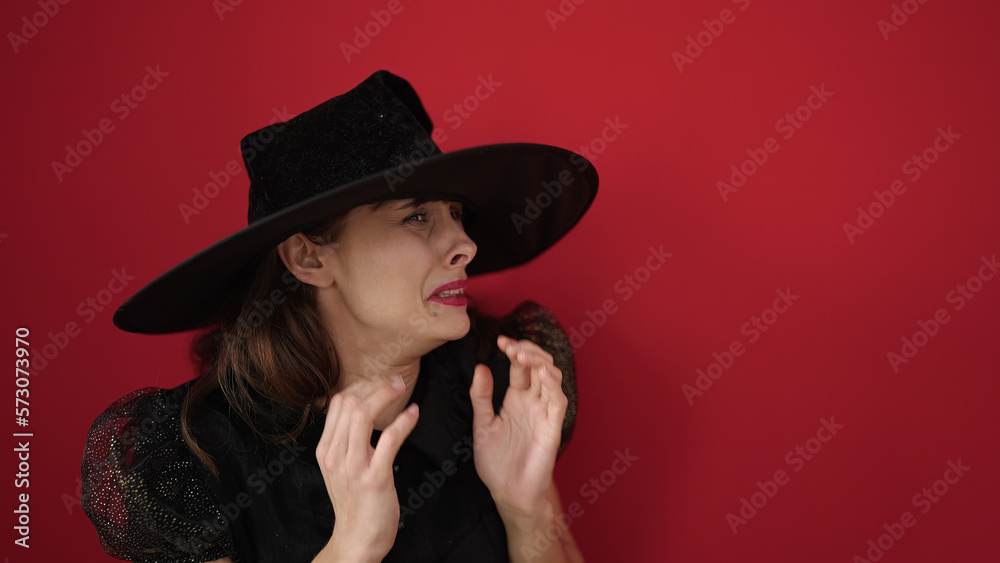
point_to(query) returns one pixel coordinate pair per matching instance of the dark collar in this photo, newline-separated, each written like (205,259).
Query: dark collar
(444,430)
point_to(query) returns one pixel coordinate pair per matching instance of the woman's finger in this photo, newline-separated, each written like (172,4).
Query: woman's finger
(526,358)
(326,438)
(555,400)
(529,347)
(481,395)
(377,393)
(393,436)
(536,380)
(526,353)
(358,436)
(522,359)
(557,373)
(329,442)
(520,376)
(342,430)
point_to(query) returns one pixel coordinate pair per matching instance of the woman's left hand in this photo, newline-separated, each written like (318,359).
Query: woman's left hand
(515,451)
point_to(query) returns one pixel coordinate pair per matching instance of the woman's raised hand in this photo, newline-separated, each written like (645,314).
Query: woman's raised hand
(359,478)
(515,451)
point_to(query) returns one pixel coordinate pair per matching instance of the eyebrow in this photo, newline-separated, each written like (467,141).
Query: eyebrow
(416,202)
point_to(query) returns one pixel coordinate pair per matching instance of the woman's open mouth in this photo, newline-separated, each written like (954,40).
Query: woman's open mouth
(451,293)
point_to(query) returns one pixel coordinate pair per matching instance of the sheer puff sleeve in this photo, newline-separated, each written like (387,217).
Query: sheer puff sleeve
(147,496)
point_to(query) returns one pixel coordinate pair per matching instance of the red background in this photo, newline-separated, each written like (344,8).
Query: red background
(826,356)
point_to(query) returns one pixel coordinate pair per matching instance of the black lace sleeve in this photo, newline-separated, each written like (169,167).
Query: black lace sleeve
(538,324)
(146,495)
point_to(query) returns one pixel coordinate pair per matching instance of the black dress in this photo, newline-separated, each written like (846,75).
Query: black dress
(150,500)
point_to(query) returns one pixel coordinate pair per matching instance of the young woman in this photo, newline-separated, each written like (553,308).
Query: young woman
(351,406)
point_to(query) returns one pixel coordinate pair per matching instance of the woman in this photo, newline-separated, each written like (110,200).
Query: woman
(348,409)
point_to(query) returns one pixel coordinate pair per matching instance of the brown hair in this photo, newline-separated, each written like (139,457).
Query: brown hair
(271,355)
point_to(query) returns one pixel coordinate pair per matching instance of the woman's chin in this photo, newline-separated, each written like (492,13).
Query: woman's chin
(461,333)
(455,329)
(458,330)
(446,322)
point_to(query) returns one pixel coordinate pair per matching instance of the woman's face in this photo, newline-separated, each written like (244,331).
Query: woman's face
(388,265)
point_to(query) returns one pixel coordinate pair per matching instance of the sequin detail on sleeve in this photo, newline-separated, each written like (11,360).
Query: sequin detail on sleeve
(148,499)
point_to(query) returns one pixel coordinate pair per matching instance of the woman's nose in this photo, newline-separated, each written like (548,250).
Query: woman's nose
(462,248)
(463,251)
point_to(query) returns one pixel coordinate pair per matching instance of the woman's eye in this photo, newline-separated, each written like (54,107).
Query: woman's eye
(421,216)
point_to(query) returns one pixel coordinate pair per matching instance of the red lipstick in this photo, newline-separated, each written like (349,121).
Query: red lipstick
(454,294)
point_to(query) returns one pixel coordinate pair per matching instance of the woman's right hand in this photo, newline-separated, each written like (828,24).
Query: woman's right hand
(359,478)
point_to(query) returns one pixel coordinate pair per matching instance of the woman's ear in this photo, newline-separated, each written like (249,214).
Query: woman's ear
(306,260)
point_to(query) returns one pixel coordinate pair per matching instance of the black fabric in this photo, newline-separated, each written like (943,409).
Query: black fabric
(270,503)
(380,124)
(148,499)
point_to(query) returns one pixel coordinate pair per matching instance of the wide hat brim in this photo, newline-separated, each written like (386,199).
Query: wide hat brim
(522,197)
